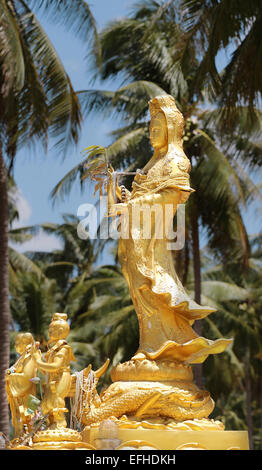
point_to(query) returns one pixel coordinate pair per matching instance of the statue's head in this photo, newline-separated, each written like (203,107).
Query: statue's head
(167,122)
(59,327)
(23,340)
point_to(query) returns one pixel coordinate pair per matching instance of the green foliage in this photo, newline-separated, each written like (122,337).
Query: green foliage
(33,300)
(105,319)
(234,26)
(234,378)
(37,99)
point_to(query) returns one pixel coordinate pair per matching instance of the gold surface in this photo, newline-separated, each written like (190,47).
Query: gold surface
(165,311)
(57,366)
(59,439)
(60,384)
(158,380)
(182,440)
(18,381)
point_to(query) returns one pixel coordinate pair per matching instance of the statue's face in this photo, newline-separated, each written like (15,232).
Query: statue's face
(21,343)
(57,331)
(20,346)
(158,132)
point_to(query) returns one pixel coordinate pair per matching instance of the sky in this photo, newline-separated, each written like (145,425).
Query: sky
(37,173)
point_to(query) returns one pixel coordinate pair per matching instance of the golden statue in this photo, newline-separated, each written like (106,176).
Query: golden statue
(18,381)
(165,312)
(158,380)
(57,366)
(60,384)
(155,389)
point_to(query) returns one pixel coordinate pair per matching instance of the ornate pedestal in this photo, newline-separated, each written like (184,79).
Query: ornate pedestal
(174,440)
(53,439)
(156,405)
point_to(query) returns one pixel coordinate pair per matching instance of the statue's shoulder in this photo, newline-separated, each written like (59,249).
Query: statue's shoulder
(57,347)
(177,161)
(61,344)
(28,352)
(64,345)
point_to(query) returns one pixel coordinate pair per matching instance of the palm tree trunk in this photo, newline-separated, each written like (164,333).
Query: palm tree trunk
(198,369)
(260,406)
(4,298)
(248,402)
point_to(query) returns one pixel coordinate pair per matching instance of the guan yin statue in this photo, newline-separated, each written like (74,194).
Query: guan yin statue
(153,395)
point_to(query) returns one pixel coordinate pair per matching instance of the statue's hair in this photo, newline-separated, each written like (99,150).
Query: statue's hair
(165,103)
(59,317)
(25,336)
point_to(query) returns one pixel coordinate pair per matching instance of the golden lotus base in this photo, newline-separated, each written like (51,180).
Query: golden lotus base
(54,439)
(174,440)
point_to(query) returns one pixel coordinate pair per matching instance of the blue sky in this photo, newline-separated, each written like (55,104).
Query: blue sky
(36,173)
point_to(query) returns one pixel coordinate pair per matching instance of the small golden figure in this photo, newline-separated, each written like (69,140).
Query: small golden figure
(18,381)
(57,366)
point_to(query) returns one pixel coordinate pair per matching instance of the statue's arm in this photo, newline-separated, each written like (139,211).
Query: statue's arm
(57,363)
(113,186)
(118,192)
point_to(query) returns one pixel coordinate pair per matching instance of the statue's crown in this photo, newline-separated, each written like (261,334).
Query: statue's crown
(163,103)
(59,316)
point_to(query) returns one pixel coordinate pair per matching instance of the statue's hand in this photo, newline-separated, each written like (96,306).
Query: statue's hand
(109,184)
(110,171)
(37,355)
(141,172)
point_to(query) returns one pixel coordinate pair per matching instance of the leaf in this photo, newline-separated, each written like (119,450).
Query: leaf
(11,54)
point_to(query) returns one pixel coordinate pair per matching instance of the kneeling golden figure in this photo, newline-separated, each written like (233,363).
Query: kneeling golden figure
(57,366)
(18,381)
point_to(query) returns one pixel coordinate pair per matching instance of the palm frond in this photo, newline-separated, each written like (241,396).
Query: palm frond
(214,26)
(76,16)
(126,144)
(20,262)
(64,186)
(47,101)
(223,291)
(227,167)
(11,54)
(96,101)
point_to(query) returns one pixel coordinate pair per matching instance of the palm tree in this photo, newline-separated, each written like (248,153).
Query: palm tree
(34,298)
(37,101)
(243,317)
(233,26)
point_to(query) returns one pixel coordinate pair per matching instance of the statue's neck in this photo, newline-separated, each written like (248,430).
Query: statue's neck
(160,152)
(175,146)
